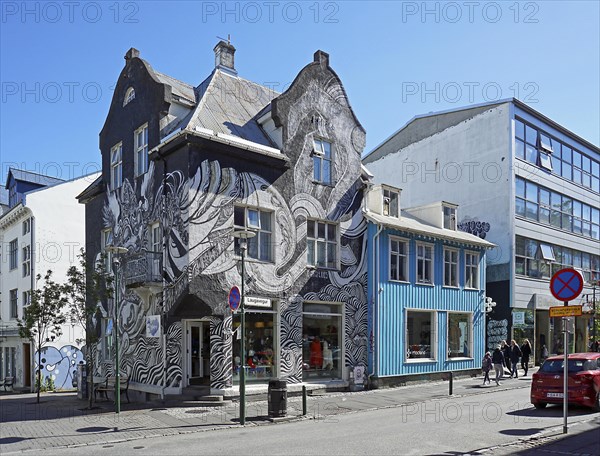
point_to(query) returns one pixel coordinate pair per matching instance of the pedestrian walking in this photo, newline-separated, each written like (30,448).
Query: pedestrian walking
(543,353)
(486,367)
(515,356)
(498,362)
(525,354)
(506,352)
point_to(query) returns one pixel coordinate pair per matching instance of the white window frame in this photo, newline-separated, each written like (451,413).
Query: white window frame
(433,336)
(26,298)
(13,254)
(452,217)
(319,156)
(453,265)
(105,241)
(402,258)
(545,160)
(470,341)
(129,96)
(390,202)
(141,150)
(26,226)
(116,166)
(469,269)
(26,261)
(155,237)
(13,299)
(313,243)
(426,261)
(255,225)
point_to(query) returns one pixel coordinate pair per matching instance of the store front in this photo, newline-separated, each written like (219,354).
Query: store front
(261,343)
(322,330)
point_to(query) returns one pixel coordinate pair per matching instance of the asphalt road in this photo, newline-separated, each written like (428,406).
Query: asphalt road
(440,426)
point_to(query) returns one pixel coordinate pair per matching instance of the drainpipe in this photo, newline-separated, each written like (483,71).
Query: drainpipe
(164,248)
(375,296)
(32,274)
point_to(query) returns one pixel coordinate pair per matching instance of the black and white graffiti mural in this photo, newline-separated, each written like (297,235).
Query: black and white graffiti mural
(475,227)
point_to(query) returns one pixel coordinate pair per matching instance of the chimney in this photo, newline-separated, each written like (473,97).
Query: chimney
(224,53)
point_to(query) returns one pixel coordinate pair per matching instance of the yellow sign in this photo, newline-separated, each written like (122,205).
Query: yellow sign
(566,311)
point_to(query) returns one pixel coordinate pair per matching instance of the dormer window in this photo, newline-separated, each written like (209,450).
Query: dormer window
(322,161)
(450,218)
(129,96)
(391,199)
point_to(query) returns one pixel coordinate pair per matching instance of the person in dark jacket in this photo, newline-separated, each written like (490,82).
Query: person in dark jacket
(506,352)
(498,362)
(515,356)
(525,353)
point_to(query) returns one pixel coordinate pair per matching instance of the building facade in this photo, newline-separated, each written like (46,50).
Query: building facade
(43,229)
(523,182)
(187,167)
(427,286)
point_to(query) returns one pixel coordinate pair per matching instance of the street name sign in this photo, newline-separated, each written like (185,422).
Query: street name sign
(566,311)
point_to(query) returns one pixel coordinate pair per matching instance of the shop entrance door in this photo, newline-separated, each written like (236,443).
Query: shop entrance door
(197,353)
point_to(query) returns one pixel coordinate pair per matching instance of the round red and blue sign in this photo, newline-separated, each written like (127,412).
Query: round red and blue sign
(566,284)
(234,298)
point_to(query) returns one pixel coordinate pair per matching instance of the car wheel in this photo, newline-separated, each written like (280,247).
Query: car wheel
(539,405)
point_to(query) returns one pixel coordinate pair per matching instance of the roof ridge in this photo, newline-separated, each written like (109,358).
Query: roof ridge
(251,82)
(174,78)
(33,172)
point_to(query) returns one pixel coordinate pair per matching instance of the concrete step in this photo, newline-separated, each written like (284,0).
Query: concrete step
(206,403)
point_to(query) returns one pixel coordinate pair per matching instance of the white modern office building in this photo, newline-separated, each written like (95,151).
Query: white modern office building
(523,182)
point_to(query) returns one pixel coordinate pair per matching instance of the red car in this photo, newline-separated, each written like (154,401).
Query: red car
(584,381)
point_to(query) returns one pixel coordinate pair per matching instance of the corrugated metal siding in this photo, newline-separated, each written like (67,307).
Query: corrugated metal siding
(396,297)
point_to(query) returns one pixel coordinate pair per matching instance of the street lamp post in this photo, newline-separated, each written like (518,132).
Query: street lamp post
(243,236)
(117,251)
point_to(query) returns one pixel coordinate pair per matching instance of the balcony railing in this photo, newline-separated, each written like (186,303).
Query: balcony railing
(143,269)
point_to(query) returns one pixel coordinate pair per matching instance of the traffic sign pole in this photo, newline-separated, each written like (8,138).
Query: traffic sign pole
(566,374)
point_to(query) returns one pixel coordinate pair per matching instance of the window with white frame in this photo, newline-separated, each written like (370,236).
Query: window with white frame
(116,166)
(425,264)
(420,334)
(450,217)
(322,161)
(13,254)
(398,260)
(26,226)
(450,267)
(391,202)
(156,248)
(26,261)
(260,247)
(105,241)
(26,298)
(472,270)
(460,328)
(129,96)
(141,150)
(14,303)
(322,244)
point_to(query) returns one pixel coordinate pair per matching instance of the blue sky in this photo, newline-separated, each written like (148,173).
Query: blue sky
(60,60)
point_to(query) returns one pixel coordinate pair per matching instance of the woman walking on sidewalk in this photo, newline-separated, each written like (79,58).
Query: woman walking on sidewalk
(486,367)
(525,352)
(515,355)
(498,361)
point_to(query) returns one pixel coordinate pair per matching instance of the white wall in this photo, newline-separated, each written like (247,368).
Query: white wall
(467,164)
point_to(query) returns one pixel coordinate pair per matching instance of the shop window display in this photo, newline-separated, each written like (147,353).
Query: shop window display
(261,353)
(321,342)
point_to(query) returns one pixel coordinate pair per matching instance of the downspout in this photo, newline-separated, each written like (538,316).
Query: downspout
(32,275)
(164,249)
(375,297)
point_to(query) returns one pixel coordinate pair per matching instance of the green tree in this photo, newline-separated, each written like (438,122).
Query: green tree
(43,318)
(88,285)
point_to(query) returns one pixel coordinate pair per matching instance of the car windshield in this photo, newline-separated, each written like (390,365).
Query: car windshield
(555,366)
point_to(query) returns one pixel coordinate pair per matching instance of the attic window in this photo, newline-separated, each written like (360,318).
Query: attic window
(129,95)
(450,218)
(390,203)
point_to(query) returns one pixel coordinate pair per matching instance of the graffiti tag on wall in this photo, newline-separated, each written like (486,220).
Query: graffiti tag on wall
(475,227)
(497,331)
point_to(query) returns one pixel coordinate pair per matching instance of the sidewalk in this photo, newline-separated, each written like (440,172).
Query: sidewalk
(63,420)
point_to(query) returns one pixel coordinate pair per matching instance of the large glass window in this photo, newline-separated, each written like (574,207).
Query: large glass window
(450,267)
(322,161)
(471,270)
(398,260)
(425,264)
(116,166)
(321,244)
(260,344)
(260,247)
(141,150)
(321,341)
(459,335)
(420,334)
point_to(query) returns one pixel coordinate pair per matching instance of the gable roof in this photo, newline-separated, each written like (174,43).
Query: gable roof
(31,177)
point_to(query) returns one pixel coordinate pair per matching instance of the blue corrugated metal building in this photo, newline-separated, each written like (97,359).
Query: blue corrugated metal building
(426,287)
